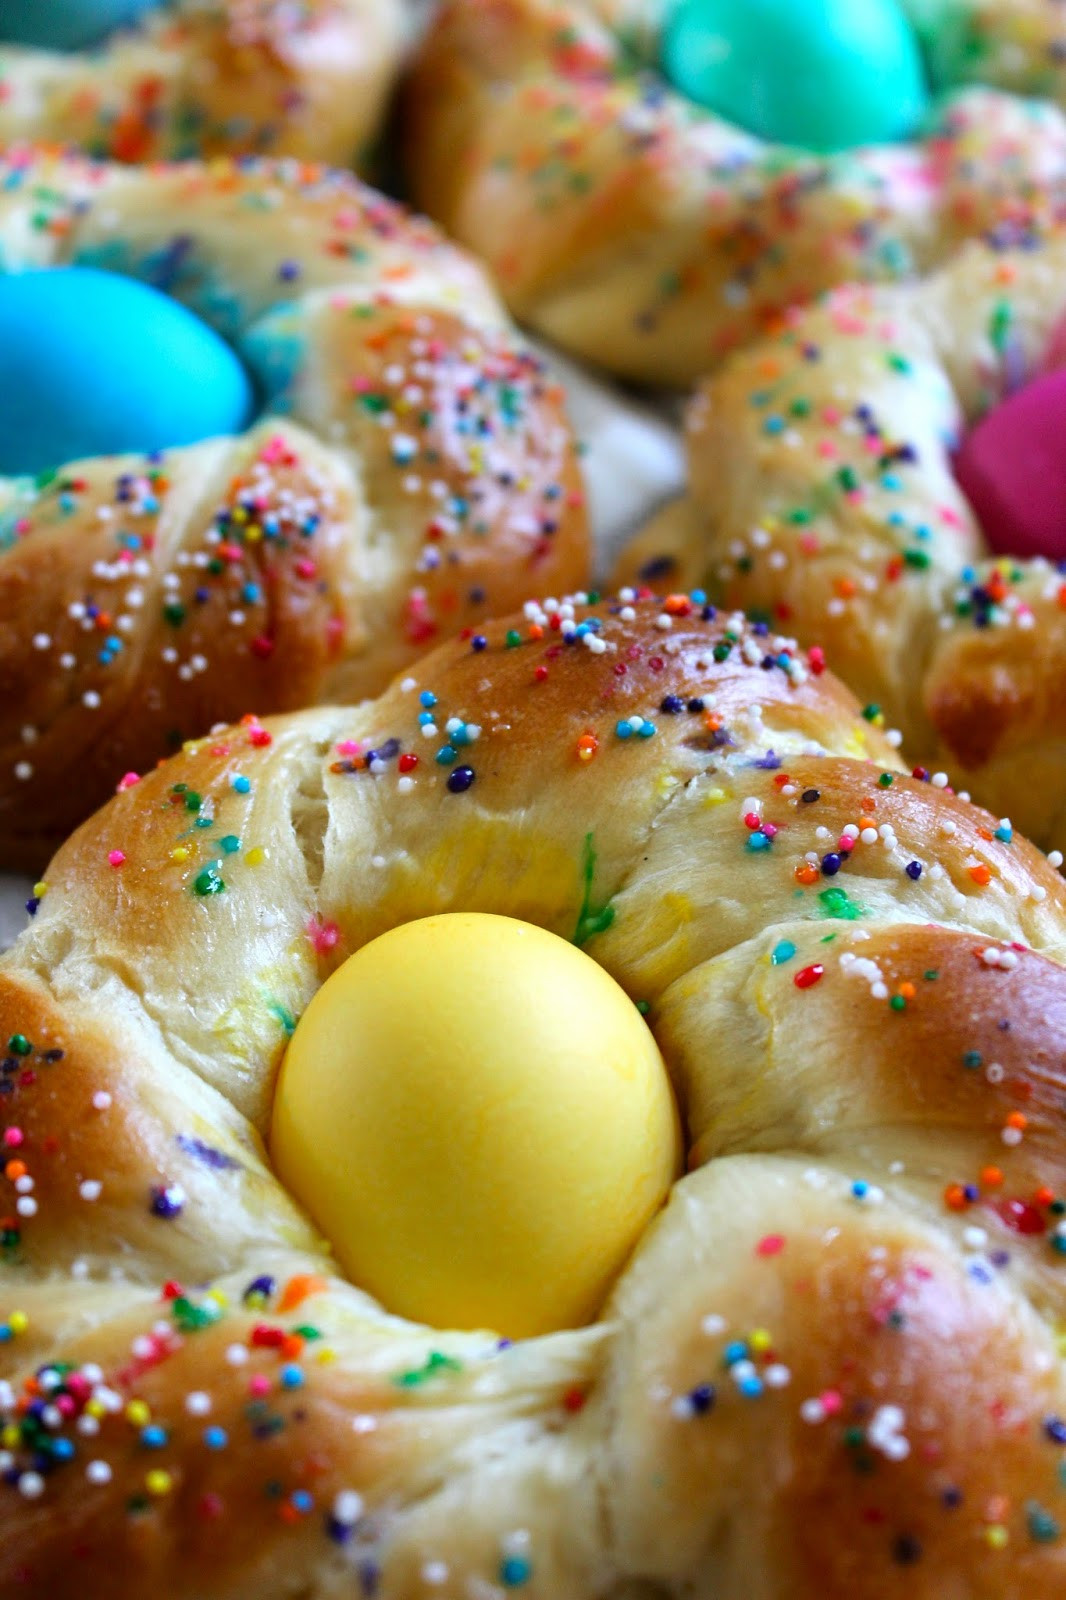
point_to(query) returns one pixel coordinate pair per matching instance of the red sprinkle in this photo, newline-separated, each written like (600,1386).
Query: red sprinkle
(771,1245)
(809,976)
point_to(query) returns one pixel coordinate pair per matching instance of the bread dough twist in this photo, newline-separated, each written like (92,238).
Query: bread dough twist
(214,78)
(647,235)
(413,473)
(832,1365)
(822,496)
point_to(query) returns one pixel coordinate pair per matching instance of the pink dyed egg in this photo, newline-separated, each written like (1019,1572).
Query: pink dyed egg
(1012,469)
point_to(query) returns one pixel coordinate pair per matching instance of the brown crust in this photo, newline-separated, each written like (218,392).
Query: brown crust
(431,480)
(647,235)
(168,961)
(823,497)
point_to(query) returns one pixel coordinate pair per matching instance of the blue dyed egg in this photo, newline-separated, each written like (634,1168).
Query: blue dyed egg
(95,364)
(67,24)
(822,74)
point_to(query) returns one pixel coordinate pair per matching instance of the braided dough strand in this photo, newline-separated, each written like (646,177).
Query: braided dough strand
(214,78)
(653,237)
(823,497)
(851,1046)
(414,472)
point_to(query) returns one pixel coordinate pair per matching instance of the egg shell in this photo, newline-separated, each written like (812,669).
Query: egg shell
(67,24)
(825,74)
(1012,469)
(478,1119)
(95,364)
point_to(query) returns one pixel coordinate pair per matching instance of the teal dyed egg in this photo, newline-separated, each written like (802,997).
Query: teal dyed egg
(67,24)
(822,74)
(95,364)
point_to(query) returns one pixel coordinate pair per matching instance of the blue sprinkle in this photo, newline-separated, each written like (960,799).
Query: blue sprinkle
(292,1377)
(216,1438)
(153,1437)
(427,698)
(242,784)
(515,1571)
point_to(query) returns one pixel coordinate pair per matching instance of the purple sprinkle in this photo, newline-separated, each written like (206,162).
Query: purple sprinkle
(167,1200)
(217,1160)
(264,1285)
(913,869)
(460,779)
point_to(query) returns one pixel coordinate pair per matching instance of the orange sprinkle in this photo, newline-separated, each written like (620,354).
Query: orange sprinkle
(907,990)
(806,873)
(955,1197)
(1017,1119)
(1043,1196)
(15,1170)
(991,1177)
(299,1289)
(587,746)
(981,874)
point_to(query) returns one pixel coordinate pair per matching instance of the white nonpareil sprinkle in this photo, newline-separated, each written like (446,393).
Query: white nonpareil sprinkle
(348,1507)
(98,1472)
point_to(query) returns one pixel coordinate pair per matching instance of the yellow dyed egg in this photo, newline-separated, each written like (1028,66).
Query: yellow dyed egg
(478,1119)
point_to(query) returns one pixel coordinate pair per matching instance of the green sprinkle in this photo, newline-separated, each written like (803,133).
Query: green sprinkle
(886,780)
(19,1045)
(898,1003)
(513,638)
(209,881)
(898,363)
(434,1366)
(174,613)
(190,1317)
(999,325)
(591,920)
(871,712)
(837,903)
(283,1014)
(1041,1524)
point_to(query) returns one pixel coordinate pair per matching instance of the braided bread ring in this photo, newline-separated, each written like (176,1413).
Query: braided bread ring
(214,77)
(649,236)
(822,495)
(417,474)
(842,1047)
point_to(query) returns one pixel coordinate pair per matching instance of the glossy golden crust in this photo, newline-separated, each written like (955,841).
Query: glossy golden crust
(414,473)
(647,235)
(823,496)
(214,78)
(831,1366)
